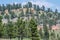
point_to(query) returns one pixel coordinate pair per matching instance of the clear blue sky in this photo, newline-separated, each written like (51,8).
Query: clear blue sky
(48,3)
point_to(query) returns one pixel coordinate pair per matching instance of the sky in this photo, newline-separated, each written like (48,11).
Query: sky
(53,4)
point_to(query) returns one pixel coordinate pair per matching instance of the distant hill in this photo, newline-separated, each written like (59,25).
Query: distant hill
(29,11)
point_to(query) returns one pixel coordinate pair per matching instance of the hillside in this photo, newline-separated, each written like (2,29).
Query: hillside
(27,12)
(29,22)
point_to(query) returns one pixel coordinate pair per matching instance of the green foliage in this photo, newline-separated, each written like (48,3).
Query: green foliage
(38,8)
(56,11)
(0,8)
(28,28)
(41,33)
(9,7)
(1,19)
(34,32)
(29,4)
(49,10)
(34,7)
(12,14)
(11,30)
(1,27)
(7,16)
(46,32)
(3,7)
(21,27)
(43,8)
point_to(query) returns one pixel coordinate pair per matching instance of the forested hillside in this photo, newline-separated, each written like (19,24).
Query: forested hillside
(29,21)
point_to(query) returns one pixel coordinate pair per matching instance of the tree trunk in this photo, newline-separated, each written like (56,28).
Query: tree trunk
(18,38)
(10,38)
(21,37)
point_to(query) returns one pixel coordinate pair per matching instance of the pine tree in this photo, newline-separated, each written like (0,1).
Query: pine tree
(9,7)
(29,4)
(41,33)
(43,8)
(34,32)
(19,5)
(14,6)
(12,30)
(48,10)
(12,15)
(21,27)
(56,11)
(1,27)
(38,8)
(3,7)
(35,7)
(46,33)
(0,8)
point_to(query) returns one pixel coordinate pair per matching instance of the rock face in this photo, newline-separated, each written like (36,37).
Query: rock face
(5,21)
(56,27)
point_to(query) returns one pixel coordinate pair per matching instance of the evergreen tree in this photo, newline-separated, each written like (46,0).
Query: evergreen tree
(34,32)
(2,13)
(19,5)
(51,22)
(14,6)
(27,30)
(56,11)
(21,27)
(6,16)
(35,7)
(1,27)
(48,10)
(0,8)
(41,33)
(52,35)
(29,4)
(43,8)
(12,15)
(12,30)
(9,7)
(38,8)
(46,33)
(5,33)
(3,7)
(58,37)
